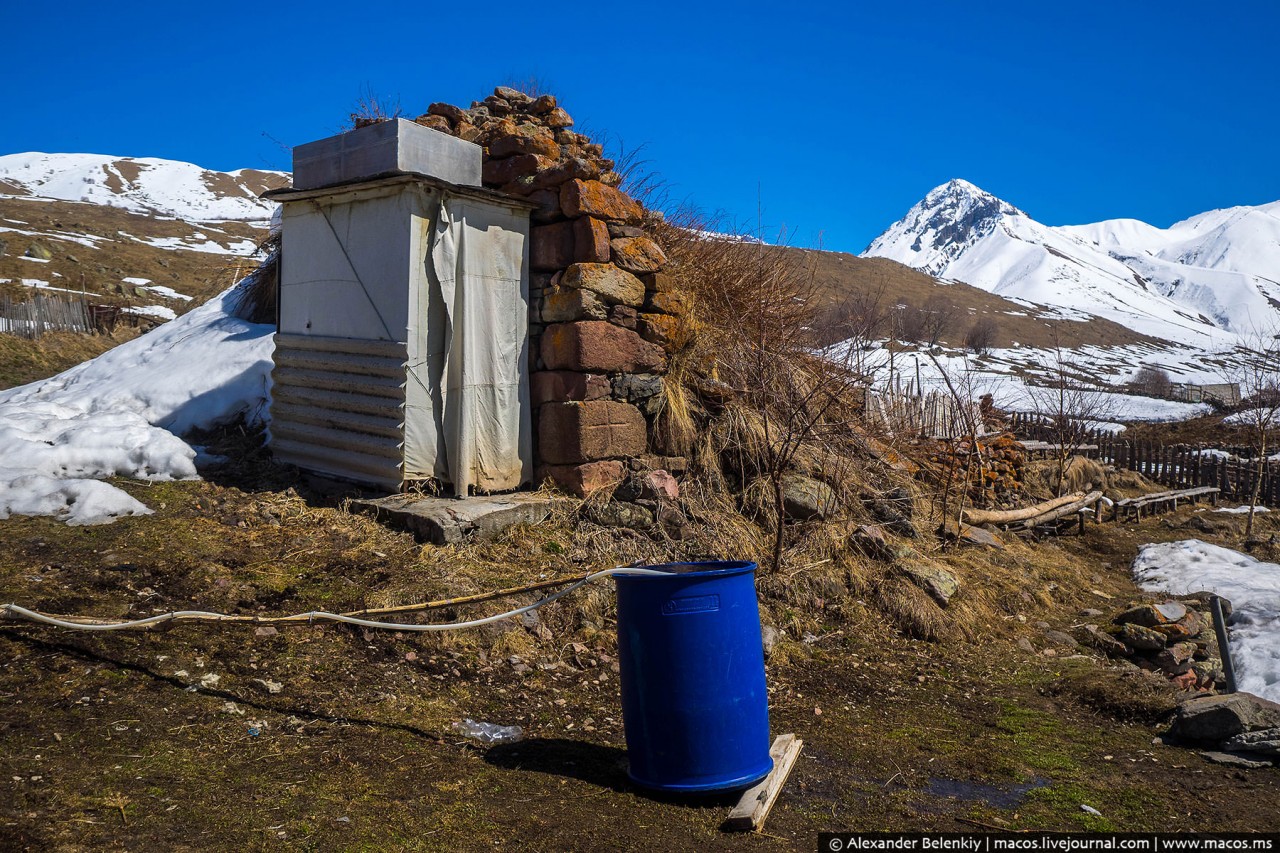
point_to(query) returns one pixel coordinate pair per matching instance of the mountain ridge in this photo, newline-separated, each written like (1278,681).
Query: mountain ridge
(1214,274)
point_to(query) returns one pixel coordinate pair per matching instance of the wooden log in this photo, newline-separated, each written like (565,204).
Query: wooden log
(1062,511)
(756,801)
(1008,516)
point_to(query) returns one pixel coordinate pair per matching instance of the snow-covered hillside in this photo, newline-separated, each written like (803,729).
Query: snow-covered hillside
(1215,273)
(141,184)
(120,414)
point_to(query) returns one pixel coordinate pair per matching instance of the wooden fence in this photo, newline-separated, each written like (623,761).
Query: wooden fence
(45,313)
(935,414)
(1178,466)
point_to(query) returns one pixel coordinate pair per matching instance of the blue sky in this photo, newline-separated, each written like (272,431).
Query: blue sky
(829,120)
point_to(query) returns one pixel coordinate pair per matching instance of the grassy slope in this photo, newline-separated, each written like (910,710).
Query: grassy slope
(98,270)
(108,743)
(836,275)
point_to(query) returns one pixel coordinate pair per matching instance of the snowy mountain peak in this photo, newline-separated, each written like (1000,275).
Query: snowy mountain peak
(1212,272)
(941,226)
(141,184)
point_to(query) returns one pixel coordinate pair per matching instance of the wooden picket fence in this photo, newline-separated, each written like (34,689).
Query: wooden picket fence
(934,414)
(1178,466)
(45,313)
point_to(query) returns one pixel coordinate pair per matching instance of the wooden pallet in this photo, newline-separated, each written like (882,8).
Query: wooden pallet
(756,801)
(1133,507)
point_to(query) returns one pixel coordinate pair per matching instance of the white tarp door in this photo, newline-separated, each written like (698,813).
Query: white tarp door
(467,420)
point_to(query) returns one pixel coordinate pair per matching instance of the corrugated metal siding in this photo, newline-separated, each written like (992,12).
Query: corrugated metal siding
(337,407)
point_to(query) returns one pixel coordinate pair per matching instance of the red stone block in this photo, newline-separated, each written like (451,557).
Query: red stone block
(591,240)
(562,386)
(573,433)
(582,480)
(551,246)
(593,346)
(592,198)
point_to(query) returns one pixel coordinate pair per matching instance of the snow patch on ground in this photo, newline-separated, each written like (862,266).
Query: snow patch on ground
(120,414)
(1252,586)
(1240,510)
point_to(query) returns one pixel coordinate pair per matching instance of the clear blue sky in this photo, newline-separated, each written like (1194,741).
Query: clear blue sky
(835,117)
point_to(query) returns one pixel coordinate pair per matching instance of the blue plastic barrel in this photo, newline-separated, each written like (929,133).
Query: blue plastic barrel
(694,705)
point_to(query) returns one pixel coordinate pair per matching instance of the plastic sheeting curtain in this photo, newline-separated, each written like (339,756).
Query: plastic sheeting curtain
(476,259)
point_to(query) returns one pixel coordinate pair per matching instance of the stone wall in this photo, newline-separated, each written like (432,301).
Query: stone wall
(602,311)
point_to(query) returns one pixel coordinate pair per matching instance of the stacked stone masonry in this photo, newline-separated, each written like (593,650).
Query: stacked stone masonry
(603,311)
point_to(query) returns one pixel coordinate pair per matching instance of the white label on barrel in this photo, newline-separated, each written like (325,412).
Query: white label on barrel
(691,604)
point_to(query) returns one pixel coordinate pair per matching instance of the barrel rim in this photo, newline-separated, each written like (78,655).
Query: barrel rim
(717,569)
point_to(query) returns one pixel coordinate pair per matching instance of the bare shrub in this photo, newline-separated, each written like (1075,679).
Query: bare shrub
(1068,409)
(928,323)
(1152,382)
(372,109)
(1257,372)
(981,335)
(757,340)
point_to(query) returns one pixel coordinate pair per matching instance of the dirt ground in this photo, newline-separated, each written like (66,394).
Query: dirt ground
(330,738)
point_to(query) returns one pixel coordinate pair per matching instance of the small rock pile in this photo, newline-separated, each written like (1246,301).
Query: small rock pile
(1172,638)
(993,467)
(1238,728)
(602,310)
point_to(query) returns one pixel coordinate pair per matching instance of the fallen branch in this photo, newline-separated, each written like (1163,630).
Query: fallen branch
(1008,516)
(1060,512)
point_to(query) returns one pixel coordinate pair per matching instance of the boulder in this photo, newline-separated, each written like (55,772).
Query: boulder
(659,329)
(635,387)
(1092,635)
(1214,719)
(970,535)
(558,118)
(544,145)
(582,480)
(512,96)
(614,286)
(638,254)
(591,241)
(1172,659)
(624,316)
(568,169)
(869,539)
(1060,638)
(621,514)
(448,111)
(804,498)
(561,305)
(542,105)
(499,172)
(1138,637)
(1265,741)
(939,583)
(894,510)
(439,123)
(649,486)
(593,198)
(1187,627)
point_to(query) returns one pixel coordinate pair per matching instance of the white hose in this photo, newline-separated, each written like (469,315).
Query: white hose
(13,611)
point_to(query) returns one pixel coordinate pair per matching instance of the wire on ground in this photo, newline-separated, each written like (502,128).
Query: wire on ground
(14,612)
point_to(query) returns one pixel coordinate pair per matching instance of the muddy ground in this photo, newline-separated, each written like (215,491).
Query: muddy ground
(330,738)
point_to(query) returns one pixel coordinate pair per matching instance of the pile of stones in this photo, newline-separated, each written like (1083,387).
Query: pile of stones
(1172,638)
(603,311)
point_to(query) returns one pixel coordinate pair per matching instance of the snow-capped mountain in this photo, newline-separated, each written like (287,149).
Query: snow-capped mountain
(1213,273)
(153,236)
(142,185)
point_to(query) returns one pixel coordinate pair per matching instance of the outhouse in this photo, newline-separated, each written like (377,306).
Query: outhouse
(401,350)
